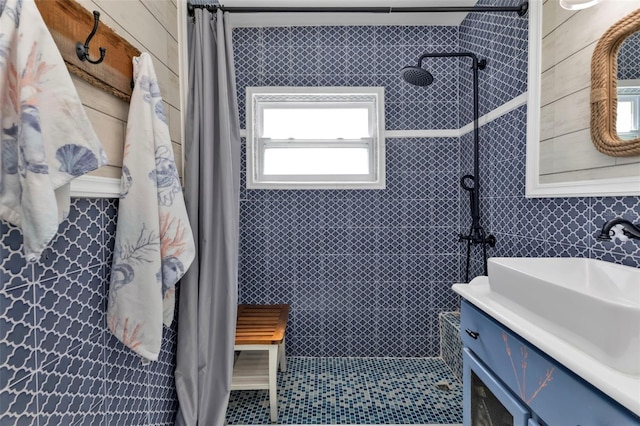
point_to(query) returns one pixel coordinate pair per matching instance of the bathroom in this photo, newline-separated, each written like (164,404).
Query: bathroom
(367,273)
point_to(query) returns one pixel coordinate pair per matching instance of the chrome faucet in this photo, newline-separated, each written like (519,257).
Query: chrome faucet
(619,228)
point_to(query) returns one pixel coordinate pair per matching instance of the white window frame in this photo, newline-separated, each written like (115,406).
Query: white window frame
(340,97)
(629,91)
(634,100)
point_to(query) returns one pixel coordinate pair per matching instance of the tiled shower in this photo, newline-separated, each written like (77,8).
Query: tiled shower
(366,272)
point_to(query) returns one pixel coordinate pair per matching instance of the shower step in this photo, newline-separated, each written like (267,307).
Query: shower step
(451,341)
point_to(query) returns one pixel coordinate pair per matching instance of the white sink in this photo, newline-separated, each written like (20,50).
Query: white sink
(591,304)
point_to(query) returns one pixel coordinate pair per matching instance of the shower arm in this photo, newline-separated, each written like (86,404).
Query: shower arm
(473,57)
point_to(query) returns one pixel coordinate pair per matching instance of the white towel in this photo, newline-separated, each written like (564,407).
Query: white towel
(47,139)
(154,244)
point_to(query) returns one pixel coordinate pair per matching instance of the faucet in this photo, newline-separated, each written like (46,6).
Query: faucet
(619,228)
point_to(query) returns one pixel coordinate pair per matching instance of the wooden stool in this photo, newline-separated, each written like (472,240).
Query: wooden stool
(260,340)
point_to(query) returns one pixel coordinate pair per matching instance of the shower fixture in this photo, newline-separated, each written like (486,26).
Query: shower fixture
(418,76)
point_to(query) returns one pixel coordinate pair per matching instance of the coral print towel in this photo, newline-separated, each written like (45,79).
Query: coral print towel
(154,245)
(46,138)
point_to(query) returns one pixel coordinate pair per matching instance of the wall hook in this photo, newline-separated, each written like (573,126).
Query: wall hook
(82,50)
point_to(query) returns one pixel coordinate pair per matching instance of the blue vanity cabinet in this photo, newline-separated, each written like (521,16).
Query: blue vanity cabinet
(549,393)
(486,401)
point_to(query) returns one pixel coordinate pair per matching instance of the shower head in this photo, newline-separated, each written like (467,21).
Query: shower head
(416,75)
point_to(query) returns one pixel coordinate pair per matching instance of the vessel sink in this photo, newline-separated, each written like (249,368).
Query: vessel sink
(591,304)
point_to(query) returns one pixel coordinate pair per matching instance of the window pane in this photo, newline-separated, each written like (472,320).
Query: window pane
(315,137)
(625,117)
(316,161)
(316,123)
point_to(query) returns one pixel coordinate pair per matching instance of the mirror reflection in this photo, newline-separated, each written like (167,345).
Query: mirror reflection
(628,110)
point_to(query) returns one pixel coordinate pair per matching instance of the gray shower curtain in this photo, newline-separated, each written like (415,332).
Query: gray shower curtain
(208,292)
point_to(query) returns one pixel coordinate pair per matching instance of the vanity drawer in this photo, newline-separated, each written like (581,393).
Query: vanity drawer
(554,393)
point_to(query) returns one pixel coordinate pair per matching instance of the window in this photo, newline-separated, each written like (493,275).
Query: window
(628,109)
(315,137)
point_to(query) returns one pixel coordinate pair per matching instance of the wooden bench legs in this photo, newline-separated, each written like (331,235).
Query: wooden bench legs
(282,356)
(257,368)
(273,383)
(260,339)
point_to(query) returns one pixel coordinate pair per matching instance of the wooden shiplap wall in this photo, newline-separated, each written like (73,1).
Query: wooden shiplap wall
(568,41)
(151,26)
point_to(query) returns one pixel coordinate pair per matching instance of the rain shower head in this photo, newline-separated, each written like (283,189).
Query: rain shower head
(416,75)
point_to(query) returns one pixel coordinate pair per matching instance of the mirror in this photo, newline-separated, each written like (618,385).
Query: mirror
(562,159)
(628,92)
(613,114)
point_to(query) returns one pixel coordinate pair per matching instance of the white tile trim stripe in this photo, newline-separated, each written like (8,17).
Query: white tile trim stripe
(503,109)
(101,187)
(451,133)
(435,133)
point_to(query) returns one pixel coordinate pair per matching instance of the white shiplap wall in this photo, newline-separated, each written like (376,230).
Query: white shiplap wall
(151,26)
(568,41)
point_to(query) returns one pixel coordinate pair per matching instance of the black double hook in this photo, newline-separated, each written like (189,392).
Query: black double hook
(82,50)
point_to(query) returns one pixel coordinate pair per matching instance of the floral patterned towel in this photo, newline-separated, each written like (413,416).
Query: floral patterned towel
(154,245)
(47,139)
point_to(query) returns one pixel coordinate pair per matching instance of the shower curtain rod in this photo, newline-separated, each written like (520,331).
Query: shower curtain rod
(520,10)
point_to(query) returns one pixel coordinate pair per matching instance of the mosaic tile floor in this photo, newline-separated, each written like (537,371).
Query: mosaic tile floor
(355,391)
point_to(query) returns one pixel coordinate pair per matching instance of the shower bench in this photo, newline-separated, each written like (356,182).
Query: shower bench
(260,339)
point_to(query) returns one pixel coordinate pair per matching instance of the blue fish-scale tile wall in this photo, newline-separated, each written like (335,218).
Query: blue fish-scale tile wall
(501,39)
(366,272)
(58,363)
(354,56)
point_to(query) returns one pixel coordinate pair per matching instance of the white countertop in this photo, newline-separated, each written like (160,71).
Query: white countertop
(624,388)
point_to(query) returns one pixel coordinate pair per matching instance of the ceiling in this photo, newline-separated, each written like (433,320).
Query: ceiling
(287,19)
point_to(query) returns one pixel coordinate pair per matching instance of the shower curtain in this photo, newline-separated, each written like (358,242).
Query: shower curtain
(208,292)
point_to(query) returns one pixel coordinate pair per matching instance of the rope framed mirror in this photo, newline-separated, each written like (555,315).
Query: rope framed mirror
(604,90)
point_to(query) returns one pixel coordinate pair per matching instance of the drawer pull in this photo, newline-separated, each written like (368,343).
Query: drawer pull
(474,334)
